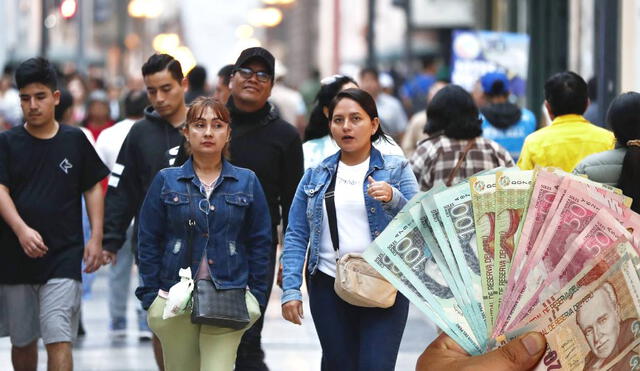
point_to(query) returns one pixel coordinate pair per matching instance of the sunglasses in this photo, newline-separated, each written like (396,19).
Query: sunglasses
(246,74)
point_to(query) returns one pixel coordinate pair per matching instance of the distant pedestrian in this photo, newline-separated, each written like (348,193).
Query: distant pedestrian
(212,217)
(221,91)
(45,169)
(570,138)
(10,113)
(592,112)
(392,116)
(414,92)
(98,113)
(415,132)
(197,78)
(370,189)
(503,121)
(455,148)
(289,101)
(619,167)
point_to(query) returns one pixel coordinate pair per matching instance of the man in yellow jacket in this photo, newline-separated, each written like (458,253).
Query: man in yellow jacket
(570,137)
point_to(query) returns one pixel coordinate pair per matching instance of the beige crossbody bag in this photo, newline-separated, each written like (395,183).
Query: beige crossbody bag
(356,281)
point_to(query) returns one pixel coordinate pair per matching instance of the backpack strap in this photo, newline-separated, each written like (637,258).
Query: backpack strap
(455,170)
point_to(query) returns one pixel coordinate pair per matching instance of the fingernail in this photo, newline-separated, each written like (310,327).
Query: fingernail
(534,343)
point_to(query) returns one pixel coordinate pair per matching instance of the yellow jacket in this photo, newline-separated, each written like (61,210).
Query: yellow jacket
(568,139)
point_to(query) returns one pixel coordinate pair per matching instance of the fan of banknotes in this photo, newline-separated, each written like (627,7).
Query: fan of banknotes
(509,251)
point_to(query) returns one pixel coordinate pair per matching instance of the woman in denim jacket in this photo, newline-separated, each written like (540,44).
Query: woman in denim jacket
(220,213)
(370,189)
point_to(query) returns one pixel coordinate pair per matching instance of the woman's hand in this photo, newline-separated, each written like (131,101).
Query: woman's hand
(445,354)
(380,191)
(292,311)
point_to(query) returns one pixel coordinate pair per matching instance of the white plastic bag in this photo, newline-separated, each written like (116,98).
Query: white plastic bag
(179,295)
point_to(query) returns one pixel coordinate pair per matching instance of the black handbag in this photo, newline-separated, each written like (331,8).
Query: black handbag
(213,306)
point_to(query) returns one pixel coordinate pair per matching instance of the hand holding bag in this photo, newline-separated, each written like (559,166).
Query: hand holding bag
(213,306)
(356,281)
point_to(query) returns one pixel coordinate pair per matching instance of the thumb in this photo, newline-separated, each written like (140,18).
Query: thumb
(371,180)
(522,353)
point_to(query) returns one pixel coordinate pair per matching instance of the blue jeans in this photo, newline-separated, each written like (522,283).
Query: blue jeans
(120,280)
(355,338)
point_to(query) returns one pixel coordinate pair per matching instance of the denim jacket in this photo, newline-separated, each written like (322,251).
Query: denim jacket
(305,217)
(233,225)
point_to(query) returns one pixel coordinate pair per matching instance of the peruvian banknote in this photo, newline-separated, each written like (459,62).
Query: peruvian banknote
(598,326)
(483,199)
(456,212)
(512,198)
(381,262)
(442,249)
(404,244)
(597,237)
(573,214)
(542,197)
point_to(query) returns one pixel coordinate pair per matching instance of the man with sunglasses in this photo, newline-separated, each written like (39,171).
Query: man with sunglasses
(271,147)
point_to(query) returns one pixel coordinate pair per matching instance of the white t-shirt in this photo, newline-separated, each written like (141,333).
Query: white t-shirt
(354,233)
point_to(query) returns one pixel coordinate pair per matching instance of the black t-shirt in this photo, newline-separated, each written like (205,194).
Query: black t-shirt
(46,179)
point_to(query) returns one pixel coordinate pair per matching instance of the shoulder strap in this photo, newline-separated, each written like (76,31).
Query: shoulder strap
(329,200)
(454,171)
(191,226)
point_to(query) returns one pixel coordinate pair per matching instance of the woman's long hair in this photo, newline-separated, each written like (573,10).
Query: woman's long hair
(453,112)
(318,126)
(624,117)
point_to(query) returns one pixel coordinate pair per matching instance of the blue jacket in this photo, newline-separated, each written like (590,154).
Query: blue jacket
(305,216)
(233,225)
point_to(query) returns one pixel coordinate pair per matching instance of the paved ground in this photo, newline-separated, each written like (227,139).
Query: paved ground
(288,347)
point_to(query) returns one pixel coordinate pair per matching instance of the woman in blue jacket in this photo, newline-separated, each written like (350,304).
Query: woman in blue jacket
(216,215)
(370,189)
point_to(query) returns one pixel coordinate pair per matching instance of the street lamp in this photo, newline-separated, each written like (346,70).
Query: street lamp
(244,31)
(278,2)
(166,42)
(68,8)
(265,17)
(145,8)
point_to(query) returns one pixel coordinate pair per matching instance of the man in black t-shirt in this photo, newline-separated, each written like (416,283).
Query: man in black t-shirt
(45,169)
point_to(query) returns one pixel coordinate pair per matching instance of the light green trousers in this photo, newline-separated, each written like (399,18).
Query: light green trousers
(190,347)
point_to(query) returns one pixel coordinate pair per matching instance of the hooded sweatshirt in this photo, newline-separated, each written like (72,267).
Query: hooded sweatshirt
(508,125)
(141,156)
(265,143)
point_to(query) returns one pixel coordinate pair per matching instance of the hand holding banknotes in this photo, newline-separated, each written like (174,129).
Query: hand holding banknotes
(380,191)
(445,354)
(292,312)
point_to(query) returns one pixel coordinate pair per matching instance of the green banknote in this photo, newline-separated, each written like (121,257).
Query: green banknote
(512,198)
(456,213)
(381,262)
(483,199)
(406,248)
